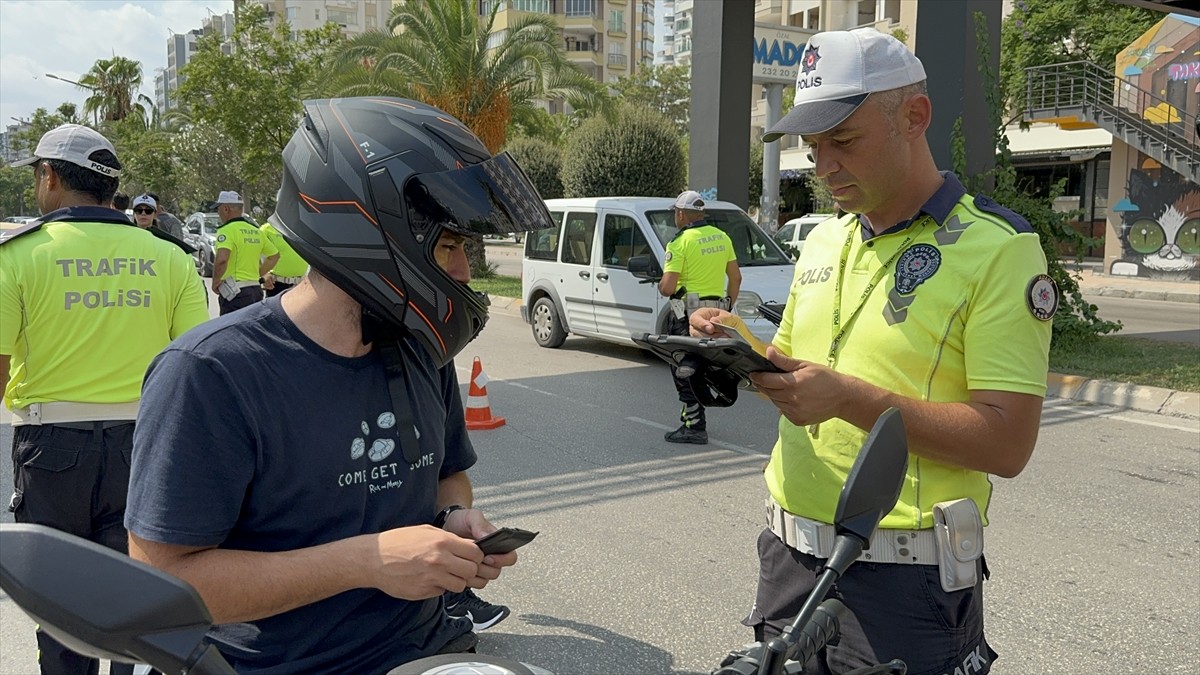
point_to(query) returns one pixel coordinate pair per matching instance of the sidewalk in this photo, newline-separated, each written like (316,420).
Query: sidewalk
(1093,281)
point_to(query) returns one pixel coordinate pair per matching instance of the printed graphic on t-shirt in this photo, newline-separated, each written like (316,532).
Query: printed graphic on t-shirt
(380,476)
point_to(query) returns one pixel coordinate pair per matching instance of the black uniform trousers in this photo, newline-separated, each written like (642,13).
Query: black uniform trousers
(248,296)
(692,413)
(895,611)
(73,478)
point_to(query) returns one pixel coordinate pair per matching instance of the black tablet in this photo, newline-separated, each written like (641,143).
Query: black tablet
(727,354)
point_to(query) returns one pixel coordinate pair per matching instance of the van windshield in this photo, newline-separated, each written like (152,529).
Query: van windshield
(754,248)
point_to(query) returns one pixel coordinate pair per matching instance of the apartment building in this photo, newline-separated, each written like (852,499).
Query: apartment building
(354,16)
(180,48)
(606,38)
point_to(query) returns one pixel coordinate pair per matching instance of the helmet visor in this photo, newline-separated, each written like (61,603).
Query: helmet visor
(492,197)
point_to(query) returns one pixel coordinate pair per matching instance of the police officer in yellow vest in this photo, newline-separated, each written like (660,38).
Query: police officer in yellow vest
(86,301)
(244,256)
(700,270)
(290,268)
(921,297)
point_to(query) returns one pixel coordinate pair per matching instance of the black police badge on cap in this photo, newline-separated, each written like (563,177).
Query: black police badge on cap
(916,265)
(1041,296)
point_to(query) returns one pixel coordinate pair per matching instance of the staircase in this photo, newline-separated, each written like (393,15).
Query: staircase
(1081,94)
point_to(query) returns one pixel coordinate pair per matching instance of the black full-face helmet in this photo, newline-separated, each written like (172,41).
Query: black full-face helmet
(370,183)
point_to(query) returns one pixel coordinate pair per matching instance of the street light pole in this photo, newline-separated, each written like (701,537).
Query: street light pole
(56,77)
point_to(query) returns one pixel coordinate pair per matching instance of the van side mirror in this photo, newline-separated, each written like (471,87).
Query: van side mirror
(645,267)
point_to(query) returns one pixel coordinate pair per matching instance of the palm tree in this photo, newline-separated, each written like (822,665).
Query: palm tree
(440,55)
(113,85)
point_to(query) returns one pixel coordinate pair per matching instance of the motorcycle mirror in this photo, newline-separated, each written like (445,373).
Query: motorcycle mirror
(644,267)
(874,483)
(101,603)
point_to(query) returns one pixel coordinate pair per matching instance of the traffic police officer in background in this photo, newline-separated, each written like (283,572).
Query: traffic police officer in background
(290,268)
(244,256)
(86,300)
(700,270)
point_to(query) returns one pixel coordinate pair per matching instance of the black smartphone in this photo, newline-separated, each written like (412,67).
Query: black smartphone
(504,540)
(729,354)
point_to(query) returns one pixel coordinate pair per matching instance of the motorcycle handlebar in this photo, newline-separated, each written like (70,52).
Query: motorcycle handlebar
(820,629)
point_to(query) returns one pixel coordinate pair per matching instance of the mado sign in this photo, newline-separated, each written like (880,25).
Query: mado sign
(777,51)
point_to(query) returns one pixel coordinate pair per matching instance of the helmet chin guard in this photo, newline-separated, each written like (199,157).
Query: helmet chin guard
(370,184)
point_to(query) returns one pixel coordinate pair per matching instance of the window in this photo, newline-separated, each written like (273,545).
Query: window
(317,14)
(580,7)
(578,234)
(622,240)
(534,6)
(371,22)
(342,17)
(543,244)
(616,21)
(291,14)
(497,38)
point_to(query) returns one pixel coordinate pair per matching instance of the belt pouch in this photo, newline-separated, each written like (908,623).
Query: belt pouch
(229,289)
(958,531)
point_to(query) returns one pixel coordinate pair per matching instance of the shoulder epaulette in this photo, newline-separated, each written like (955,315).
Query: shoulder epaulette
(1016,220)
(9,235)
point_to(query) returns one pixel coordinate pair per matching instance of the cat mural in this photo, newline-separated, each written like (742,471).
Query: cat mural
(1160,225)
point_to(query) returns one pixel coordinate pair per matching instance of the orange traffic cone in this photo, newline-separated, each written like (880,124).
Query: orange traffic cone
(479,413)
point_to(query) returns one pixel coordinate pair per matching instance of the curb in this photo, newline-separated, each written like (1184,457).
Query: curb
(1169,296)
(1156,400)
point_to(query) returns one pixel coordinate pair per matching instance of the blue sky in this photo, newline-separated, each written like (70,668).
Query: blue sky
(65,37)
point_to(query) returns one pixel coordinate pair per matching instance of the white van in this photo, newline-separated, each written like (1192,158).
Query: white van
(575,277)
(792,234)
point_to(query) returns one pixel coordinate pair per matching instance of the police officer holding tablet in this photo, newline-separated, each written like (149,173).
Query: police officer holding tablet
(243,256)
(921,297)
(86,301)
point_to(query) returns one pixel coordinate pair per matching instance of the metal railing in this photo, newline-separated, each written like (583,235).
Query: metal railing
(1140,117)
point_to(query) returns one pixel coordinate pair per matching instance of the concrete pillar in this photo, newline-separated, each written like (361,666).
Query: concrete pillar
(946,45)
(719,145)
(768,209)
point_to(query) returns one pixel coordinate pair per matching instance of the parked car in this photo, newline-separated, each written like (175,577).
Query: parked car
(13,222)
(792,234)
(576,278)
(200,230)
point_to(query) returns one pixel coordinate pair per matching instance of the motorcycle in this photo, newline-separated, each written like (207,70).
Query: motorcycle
(106,605)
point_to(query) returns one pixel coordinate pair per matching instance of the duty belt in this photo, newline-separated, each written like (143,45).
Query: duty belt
(246,284)
(693,302)
(905,547)
(289,280)
(64,412)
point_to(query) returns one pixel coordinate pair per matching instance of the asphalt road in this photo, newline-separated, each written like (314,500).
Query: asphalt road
(645,562)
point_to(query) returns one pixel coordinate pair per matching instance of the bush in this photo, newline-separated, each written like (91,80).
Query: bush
(636,155)
(542,162)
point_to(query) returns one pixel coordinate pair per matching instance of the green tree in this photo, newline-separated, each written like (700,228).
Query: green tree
(1044,32)
(542,162)
(112,86)
(255,93)
(147,155)
(1077,321)
(438,52)
(16,191)
(210,161)
(665,89)
(638,154)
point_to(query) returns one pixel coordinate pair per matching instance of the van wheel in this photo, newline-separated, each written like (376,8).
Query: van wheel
(547,329)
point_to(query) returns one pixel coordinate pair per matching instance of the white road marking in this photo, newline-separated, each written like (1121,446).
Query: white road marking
(1114,414)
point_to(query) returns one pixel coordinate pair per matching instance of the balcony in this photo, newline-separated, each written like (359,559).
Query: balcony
(618,61)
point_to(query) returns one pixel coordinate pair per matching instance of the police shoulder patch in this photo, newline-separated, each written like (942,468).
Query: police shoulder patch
(667,257)
(1041,296)
(220,238)
(916,264)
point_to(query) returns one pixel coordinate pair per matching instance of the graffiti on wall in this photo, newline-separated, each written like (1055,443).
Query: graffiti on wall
(1160,224)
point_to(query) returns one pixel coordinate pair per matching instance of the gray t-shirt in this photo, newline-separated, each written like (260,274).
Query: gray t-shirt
(264,441)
